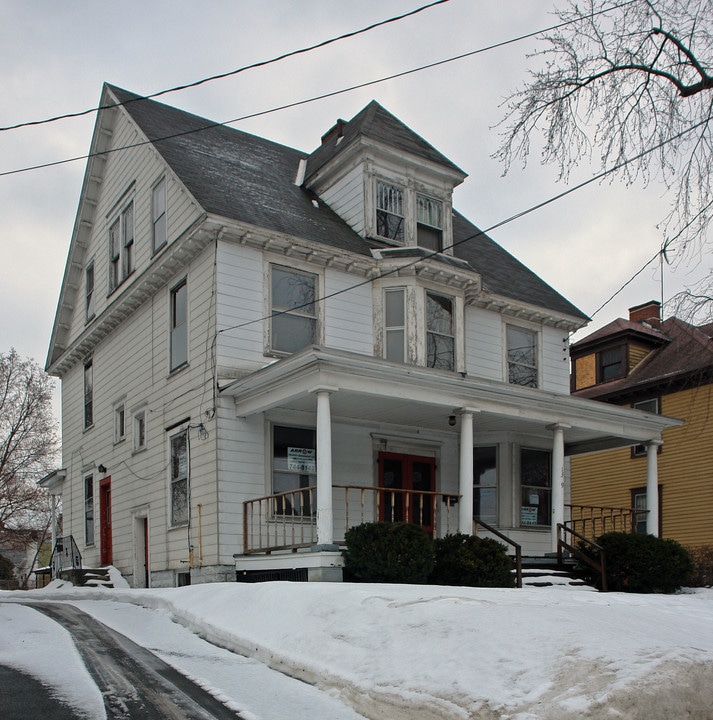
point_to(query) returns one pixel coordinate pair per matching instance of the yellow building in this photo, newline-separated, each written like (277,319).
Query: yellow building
(661,367)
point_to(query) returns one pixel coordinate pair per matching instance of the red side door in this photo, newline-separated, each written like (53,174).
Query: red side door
(105,521)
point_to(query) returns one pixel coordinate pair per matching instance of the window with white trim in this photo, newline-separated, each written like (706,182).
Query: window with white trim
(89,510)
(139,430)
(178,336)
(158,215)
(522,356)
(390,219)
(121,247)
(179,481)
(89,290)
(440,335)
(395,324)
(485,484)
(536,487)
(429,223)
(119,423)
(294,468)
(293,316)
(88,393)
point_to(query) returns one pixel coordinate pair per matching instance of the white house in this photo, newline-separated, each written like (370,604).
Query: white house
(260,347)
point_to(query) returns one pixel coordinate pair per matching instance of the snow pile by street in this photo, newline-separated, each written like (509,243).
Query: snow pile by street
(424,652)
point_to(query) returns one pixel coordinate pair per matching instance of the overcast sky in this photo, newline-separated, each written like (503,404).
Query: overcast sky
(55,57)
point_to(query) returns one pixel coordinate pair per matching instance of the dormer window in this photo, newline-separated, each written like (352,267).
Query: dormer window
(429,223)
(390,211)
(610,364)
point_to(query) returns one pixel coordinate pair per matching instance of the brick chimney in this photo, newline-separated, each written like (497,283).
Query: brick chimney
(336,131)
(649,312)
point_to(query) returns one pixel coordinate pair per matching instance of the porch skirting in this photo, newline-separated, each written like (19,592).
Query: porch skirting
(321,566)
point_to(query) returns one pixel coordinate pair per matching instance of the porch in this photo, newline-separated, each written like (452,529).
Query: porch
(363,409)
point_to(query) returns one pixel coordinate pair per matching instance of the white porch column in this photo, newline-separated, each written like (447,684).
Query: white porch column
(465,482)
(652,488)
(53,505)
(325,516)
(557,481)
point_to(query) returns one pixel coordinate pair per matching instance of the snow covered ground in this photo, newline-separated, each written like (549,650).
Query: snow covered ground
(395,651)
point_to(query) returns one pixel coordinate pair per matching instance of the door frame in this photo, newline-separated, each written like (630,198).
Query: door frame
(407,511)
(105,539)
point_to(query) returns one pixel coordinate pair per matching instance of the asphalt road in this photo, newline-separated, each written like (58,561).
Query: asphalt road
(134,682)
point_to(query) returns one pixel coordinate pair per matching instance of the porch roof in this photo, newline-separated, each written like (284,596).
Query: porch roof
(368,389)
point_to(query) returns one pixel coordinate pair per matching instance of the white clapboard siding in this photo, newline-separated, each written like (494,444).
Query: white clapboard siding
(346,198)
(349,323)
(555,360)
(484,343)
(240,307)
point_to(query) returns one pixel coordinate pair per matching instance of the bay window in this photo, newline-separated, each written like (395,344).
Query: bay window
(440,338)
(395,324)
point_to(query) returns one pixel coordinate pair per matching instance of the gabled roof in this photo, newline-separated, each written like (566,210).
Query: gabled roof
(237,175)
(376,123)
(685,359)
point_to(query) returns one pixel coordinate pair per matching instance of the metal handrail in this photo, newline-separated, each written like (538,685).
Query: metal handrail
(507,540)
(65,554)
(562,544)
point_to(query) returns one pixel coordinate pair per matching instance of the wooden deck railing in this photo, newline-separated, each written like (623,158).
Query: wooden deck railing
(591,521)
(287,520)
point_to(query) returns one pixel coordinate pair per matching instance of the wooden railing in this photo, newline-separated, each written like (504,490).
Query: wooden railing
(287,520)
(591,521)
(516,558)
(567,540)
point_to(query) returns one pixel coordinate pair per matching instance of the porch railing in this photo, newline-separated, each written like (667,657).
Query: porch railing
(591,521)
(287,520)
(65,554)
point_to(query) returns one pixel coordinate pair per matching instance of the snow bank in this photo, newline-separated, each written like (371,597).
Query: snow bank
(423,652)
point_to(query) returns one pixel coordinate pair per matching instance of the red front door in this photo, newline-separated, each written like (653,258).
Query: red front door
(105,521)
(411,478)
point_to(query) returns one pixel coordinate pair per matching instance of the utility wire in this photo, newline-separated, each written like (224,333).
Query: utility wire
(511,218)
(298,103)
(230,73)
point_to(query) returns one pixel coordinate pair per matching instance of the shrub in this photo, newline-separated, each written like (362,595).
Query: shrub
(472,561)
(702,557)
(388,552)
(641,563)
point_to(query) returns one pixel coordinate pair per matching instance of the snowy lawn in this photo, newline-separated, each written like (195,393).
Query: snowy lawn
(394,651)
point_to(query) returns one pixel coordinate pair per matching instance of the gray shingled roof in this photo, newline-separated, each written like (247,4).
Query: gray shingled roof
(378,124)
(250,179)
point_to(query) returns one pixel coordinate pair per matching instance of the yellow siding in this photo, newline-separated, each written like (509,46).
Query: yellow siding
(636,354)
(685,471)
(585,371)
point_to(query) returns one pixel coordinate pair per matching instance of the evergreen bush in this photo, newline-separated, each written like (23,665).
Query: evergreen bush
(702,556)
(388,553)
(473,561)
(639,563)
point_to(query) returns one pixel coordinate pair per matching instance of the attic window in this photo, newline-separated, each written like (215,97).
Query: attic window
(429,223)
(389,211)
(610,364)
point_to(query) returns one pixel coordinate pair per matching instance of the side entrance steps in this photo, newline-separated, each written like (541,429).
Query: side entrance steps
(547,572)
(86,577)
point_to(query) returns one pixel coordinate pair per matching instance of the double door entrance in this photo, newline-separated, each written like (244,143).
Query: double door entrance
(407,482)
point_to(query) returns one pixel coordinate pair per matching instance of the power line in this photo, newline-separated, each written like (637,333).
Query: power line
(298,103)
(230,73)
(511,218)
